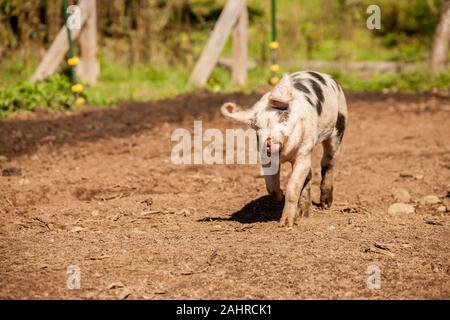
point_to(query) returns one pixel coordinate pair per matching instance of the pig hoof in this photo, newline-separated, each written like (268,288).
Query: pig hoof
(301,214)
(305,214)
(283,222)
(287,222)
(303,210)
(324,206)
(326,201)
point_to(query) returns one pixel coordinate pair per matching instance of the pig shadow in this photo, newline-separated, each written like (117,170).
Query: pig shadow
(263,209)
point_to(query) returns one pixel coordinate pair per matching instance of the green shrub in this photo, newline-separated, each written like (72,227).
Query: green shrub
(53,93)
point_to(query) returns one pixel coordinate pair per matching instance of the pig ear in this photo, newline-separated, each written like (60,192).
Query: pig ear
(281,95)
(233,111)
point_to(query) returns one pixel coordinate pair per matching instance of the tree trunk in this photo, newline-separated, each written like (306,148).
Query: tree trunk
(441,42)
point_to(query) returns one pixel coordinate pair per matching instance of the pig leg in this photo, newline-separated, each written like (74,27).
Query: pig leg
(300,170)
(304,203)
(272,180)
(273,186)
(330,154)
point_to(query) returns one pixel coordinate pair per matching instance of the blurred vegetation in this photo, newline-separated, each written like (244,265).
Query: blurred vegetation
(148,47)
(53,93)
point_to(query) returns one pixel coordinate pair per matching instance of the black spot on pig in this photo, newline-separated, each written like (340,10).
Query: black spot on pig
(257,142)
(324,170)
(319,94)
(300,86)
(340,125)
(336,85)
(318,77)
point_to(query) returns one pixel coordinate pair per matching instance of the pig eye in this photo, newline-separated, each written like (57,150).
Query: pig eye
(253,124)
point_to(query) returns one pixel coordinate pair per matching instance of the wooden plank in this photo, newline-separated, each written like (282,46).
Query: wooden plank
(56,53)
(357,66)
(240,38)
(89,68)
(226,62)
(211,52)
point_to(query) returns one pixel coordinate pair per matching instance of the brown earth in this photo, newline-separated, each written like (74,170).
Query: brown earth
(96,188)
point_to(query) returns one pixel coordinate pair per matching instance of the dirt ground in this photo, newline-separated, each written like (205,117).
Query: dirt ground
(96,189)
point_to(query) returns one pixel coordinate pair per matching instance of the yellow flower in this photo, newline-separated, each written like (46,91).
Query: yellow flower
(274,45)
(275,68)
(274,80)
(73,61)
(80,101)
(77,88)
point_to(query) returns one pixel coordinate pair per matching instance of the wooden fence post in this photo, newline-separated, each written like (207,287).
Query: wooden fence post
(211,52)
(56,53)
(441,41)
(89,68)
(240,37)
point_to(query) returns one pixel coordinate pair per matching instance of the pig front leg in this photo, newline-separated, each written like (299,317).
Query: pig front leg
(271,170)
(273,186)
(300,170)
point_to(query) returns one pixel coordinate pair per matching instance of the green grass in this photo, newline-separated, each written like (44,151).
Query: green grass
(137,83)
(149,82)
(15,70)
(117,83)
(410,81)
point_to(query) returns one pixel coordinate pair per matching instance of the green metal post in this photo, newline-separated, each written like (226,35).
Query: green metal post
(274,23)
(274,68)
(69,38)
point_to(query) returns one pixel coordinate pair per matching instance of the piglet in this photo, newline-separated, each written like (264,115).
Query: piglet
(304,109)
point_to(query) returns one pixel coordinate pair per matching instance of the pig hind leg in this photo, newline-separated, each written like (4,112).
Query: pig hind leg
(330,154)
(304,203)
